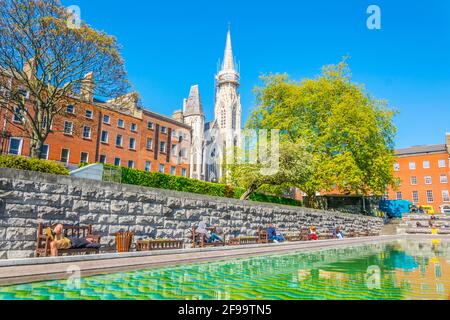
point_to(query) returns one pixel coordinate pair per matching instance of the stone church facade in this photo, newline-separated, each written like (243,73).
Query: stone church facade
(212,143)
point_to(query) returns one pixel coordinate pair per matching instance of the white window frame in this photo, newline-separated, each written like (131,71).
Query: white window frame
(415,197)
(69,112)
(149,144)
(445,196)
(107,137)
(100,159)
(86,114)
(396,167)
(150,125)
(121,141)
(48,152)
(132,164)
(183,172)
(68,155)
(71,128)
(164,130)
(430,195)
(123,123)
(132,144)
(412,165)
(148,166)
(428,180)
(442,164)
(444,179)
(87,157)
(162,147)
(134,127)
(105,116)
(115,162)
(173,170)
(90,132)
(426,164)
(163,167)
(17,113)
(19,149)
(414,181)
(399,195)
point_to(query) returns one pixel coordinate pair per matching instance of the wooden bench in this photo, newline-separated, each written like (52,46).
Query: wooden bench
(242,241)
(263,236)
(43,241)
(154,245)
(200,240)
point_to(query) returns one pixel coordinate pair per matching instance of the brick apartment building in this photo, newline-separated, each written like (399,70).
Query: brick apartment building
(117,132)
(424,175)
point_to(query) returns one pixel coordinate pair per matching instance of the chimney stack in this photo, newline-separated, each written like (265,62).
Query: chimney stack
(87,88)
(447,141)
(29,68)
(178,116)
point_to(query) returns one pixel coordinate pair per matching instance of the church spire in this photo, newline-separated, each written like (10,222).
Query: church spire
(228,61)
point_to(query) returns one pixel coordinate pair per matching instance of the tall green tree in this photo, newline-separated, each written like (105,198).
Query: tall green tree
(293,168)
(44,54)
(349,134)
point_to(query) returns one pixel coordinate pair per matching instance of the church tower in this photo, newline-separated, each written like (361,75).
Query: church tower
(228,111)
(195,118)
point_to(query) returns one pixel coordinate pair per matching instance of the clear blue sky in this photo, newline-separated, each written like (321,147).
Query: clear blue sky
(171,45)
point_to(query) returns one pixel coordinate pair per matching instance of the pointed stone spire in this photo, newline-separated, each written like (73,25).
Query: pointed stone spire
(193,105)
(228,61)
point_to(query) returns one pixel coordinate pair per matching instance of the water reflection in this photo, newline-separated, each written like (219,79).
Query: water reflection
(399,270)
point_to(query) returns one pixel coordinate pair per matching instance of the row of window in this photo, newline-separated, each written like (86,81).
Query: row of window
(426,165)
(15,148)
(429,180)
(89,114)
(430,196)
(148,165)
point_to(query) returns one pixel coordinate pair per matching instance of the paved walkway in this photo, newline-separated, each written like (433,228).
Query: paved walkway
(43,269)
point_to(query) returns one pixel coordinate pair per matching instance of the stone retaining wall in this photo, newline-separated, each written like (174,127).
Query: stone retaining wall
(27,198)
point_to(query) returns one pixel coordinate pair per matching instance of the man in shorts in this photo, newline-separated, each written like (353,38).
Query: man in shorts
(60,242)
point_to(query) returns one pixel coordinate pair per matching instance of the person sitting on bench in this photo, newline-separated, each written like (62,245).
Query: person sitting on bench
(312,234)
(60,242)
(272,235)
(210,236)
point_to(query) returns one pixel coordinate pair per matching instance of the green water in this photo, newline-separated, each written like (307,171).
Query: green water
(400,270)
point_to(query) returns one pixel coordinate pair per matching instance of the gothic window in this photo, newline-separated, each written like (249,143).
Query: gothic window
(234,116)
(223,118)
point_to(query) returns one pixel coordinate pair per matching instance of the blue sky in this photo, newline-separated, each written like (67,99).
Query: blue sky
(170,45)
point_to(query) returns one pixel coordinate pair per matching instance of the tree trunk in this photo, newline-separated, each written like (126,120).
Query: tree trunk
(312,201)
(35,146)
(251,189)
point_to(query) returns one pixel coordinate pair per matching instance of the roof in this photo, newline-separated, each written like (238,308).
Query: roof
(416,150)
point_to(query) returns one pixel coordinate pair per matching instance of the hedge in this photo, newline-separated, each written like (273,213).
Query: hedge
(164,181)
(29,164)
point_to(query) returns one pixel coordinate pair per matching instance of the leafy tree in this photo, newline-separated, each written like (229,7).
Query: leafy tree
(349,134)
(293,169)
(47,62)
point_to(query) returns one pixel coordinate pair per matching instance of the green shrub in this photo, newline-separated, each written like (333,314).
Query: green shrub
(164,181)
(28,164)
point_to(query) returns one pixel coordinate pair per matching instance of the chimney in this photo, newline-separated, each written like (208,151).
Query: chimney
(87,88)
(129,101)
(178,116)
(29,68)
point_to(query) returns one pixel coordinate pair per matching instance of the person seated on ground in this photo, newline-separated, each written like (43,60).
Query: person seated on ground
(210,237)
(273,236)
(312,234)
(419,225)
(60,242)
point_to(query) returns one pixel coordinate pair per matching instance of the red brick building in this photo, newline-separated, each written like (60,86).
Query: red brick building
(117,132)
(424,175)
